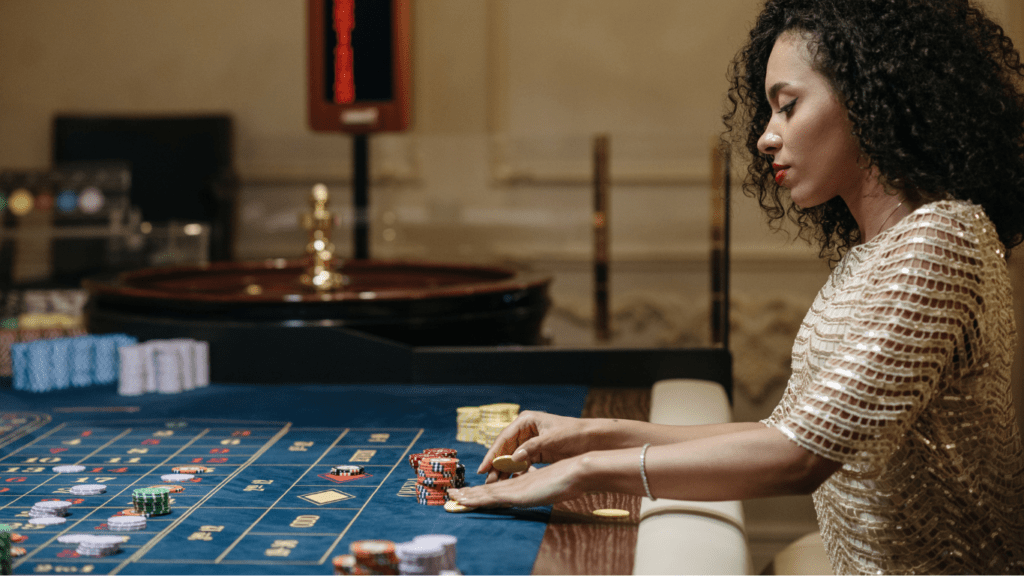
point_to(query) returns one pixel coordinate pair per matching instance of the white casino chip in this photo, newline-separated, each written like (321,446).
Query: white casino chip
(88,489)
(68,469)
(104,540)
(177,477)
(125,523)
(48,520)
(73,538)
(49,508)
(52,504)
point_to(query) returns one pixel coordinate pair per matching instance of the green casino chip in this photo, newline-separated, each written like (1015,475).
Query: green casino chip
(155,491)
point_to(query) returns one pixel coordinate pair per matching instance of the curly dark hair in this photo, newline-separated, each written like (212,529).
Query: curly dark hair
(929,86)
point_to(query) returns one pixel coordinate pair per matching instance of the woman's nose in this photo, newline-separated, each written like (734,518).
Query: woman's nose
(770,142)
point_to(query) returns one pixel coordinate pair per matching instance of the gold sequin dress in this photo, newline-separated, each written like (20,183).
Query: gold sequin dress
(901,371)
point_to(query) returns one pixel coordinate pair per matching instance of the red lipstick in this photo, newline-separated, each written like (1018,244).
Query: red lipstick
(780,173)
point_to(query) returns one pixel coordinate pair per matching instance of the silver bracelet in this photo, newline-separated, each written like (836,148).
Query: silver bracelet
(643,471)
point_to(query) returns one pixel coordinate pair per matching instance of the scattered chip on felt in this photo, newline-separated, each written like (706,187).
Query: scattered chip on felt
(611,513)
(508,465)
(455,507)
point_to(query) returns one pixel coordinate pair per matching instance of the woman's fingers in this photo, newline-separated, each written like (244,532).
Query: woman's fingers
(515,434)
(546,485)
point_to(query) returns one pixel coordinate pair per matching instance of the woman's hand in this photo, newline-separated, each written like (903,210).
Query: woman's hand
(538,437)
(557,482)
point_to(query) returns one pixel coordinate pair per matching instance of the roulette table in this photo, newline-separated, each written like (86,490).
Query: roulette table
(265,501)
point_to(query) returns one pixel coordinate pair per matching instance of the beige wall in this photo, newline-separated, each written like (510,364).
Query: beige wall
(507,95)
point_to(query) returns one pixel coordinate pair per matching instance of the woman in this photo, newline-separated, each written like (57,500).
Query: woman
(890,131)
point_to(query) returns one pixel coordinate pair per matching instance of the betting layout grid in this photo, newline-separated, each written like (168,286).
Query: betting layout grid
(264,503)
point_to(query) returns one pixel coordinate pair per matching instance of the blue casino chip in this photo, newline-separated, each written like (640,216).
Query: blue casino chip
(82,356)
(60,364)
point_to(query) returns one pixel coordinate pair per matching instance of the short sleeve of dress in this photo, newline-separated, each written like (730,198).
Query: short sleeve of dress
(907,315)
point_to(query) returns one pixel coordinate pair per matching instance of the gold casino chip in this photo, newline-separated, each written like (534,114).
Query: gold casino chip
(509,466)
(454,507)
(611,513)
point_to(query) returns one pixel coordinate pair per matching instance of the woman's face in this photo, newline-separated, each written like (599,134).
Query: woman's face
(809,136)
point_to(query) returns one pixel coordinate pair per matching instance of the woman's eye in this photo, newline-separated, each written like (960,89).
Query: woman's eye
(788,108)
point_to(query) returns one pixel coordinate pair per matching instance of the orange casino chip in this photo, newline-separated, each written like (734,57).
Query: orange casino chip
(132,512)
(377,555)
(174,488)
(191,470)
(344,564)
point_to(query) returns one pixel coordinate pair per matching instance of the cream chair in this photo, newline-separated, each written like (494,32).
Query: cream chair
(684,537)
(804,556)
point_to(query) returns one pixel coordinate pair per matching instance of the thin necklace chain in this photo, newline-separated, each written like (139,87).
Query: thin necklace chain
(887,218)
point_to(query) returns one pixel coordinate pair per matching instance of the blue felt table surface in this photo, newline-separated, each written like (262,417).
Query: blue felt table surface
(259,492)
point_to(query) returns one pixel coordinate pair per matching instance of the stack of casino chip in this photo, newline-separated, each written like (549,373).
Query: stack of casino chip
(49,509)
(6,556)
(368,557)
(167,366)
(47,520)
(152,501)
(97,545)
(428,554)
(126,523)
(437,470)
(88,489)
(467,422)
(62,363)
(347,470)
(493,419)
(344,564)
(72,538)
(414,459)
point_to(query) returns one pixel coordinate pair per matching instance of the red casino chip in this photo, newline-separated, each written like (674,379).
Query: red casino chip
(414,460)
(428,472)
(439,464)
(432,474)
(429,494)
(436,481)
(431,500)
(438,475)
(445,452)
